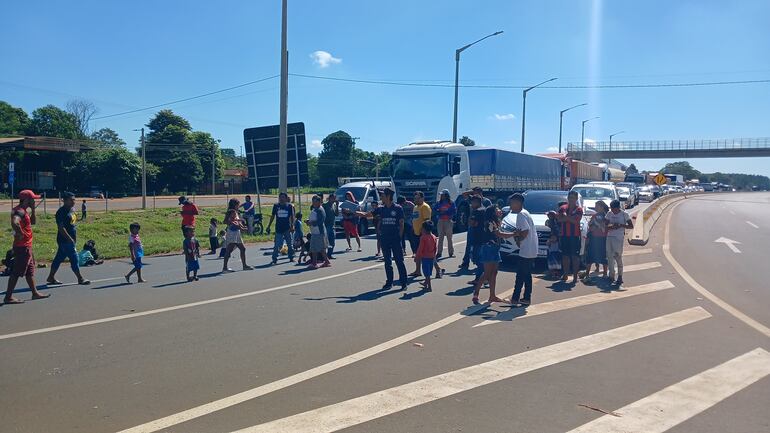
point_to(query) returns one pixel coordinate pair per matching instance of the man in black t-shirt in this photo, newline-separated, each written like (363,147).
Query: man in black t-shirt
(283,214)
(65,239)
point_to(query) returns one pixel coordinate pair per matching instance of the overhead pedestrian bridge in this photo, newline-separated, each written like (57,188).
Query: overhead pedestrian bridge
(670,149)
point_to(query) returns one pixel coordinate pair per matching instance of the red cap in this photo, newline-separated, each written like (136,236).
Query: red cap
(27,193)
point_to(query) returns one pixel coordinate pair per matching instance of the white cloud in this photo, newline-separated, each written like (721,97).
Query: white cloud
(324,59)
(552,149)
(589,140)
(508,116)
(316,144)
(510,142)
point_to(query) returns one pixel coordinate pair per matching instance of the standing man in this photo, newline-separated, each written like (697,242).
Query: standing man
(66,237)
(248,213)
(283,214)
(24,261)
(188,212)
(422,213)
(83,211)
(569,216)
(618,221)
(318,240)
(332,210)
(391,217)
(525,236)
(475,238)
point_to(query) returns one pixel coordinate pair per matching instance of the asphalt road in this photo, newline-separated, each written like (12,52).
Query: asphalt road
(325,350)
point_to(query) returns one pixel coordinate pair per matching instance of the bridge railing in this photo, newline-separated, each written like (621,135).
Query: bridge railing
(673,145)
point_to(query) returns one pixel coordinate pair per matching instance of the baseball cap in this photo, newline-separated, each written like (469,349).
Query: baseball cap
(444,192)
(182,199)
(27,193)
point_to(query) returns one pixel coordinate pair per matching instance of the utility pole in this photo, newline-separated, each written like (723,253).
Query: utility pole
(524,109)
(144,170)
(213,170)
(583,137)
(283,128)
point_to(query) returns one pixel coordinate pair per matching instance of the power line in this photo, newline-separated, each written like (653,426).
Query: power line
(186,99)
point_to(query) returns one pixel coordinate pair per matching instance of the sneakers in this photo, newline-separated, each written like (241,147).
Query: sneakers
(525,301)
(387,286)
(619,281)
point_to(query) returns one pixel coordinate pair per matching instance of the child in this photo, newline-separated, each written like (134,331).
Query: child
(597,240)
(192,252)
(303,246)
(90,246)
(137,252)
(554,253)
(223,241)
(426,254)
(213,239)
(298,229)
(86,256)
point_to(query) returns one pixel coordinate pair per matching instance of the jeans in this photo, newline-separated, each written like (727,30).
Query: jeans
(249,224)
(279,240)
(467,254)
(407,232)
(391,250)
(615,254)
(445,228)
(66,251)
(523,279)
(332,237)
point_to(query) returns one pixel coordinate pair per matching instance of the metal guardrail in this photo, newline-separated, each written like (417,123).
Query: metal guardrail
(672,145)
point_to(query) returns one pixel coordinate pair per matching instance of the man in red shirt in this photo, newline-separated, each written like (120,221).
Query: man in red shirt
(189,210)
(569,218)
(24,261)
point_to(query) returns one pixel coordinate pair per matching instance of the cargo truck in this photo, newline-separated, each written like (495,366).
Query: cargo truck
(432,166)
(574,172)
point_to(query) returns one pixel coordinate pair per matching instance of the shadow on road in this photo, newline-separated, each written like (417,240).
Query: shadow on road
(372,295)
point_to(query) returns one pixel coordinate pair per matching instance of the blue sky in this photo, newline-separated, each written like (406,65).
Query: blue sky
(126,55)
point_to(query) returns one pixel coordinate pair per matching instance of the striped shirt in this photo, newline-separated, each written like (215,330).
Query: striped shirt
(569,228)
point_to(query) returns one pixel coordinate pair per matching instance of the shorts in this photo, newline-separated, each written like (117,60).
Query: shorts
(233,237)
(351,228)
(569,245)
(192,265)
(489,253)
(427,266)
(138,263)
(24,262)
(319,243)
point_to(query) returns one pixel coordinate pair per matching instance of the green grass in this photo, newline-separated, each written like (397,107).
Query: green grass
(160,232)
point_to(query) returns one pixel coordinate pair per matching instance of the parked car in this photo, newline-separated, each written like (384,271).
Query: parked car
(626,197)
(365,191)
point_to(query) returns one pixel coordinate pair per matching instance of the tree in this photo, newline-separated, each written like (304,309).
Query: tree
(632,169)
(83,110)
(466,141)
(205,147)
(13,120)
(159,128)
(51,121)
(107,138)
(312,169)
(115,170)
(335,159)
(681,167)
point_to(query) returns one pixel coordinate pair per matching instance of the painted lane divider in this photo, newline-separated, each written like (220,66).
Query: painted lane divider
(379,404)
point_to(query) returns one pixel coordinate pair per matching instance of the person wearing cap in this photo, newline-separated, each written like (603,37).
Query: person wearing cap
(618,221)
(66,238)
(391,218)
(188,212)
(445,210)
(24,262)
(422,213)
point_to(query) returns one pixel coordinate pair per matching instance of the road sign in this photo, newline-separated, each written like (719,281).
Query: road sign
(11,178)
(11,167)
(660,179)
(261,145)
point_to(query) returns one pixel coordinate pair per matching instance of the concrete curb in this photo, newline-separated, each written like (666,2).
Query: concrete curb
(646,220)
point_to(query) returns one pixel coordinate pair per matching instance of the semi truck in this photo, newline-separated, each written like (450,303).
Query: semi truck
(574,172)
(432,166)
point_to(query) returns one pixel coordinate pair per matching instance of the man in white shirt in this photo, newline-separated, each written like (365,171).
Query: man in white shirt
(526,238)
(618,221)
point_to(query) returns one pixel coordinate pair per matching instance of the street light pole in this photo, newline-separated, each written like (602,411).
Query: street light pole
(583,137)
(144,170)
(457,79)
(524,109)
(612,135)
(283,128)
(561,119)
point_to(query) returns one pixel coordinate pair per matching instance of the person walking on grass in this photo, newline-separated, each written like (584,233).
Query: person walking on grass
(283,214)
(192,252)
(525,235)
(422,213)
(24,261)
(391,223)
(189,212)
(569,217)
(136,250)
(350,220)
(445,210)
(618,221)
(249,213)
(597,240)
(66,238)
(488,255)
(83,211)
(318,240)
(331,210)
(234,225)
(426,254)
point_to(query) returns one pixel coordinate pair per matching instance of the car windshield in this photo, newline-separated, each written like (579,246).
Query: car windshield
(358,192)
(594,192)
(644,189)
(541,203)
(419,167)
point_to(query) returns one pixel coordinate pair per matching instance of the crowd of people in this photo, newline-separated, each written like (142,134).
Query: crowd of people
(398,222)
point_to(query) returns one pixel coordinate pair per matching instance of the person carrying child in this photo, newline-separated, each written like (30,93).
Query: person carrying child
(192,252)
(137,252)
(426,255)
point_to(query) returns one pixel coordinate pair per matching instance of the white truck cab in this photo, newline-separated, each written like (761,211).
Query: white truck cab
(431,166)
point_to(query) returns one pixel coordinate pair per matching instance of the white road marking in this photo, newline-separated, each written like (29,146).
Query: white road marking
(732,212)
(679,402)
(578,301)
(267,388)
(636,252)
(379,404)
(641,266)
(752,224)
(730,244)
(702,290)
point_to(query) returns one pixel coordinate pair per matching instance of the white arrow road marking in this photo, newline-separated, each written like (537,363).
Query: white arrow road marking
(679,402)
(379,404)
(752,224)
(730,244)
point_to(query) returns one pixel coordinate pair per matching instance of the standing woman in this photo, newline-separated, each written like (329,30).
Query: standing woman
(597,240)
(350,220)
(489,254)
(233,239)
(445,209)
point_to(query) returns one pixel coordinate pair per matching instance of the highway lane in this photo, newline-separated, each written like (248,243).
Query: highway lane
(121,374)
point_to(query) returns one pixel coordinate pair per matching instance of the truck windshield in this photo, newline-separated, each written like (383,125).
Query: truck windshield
(419,167)
(358,192)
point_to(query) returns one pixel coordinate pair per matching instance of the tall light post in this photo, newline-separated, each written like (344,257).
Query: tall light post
(457,79)
(144,171)
(524,109)
(282,129)
(561,118)
(583,136)
(612,135)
